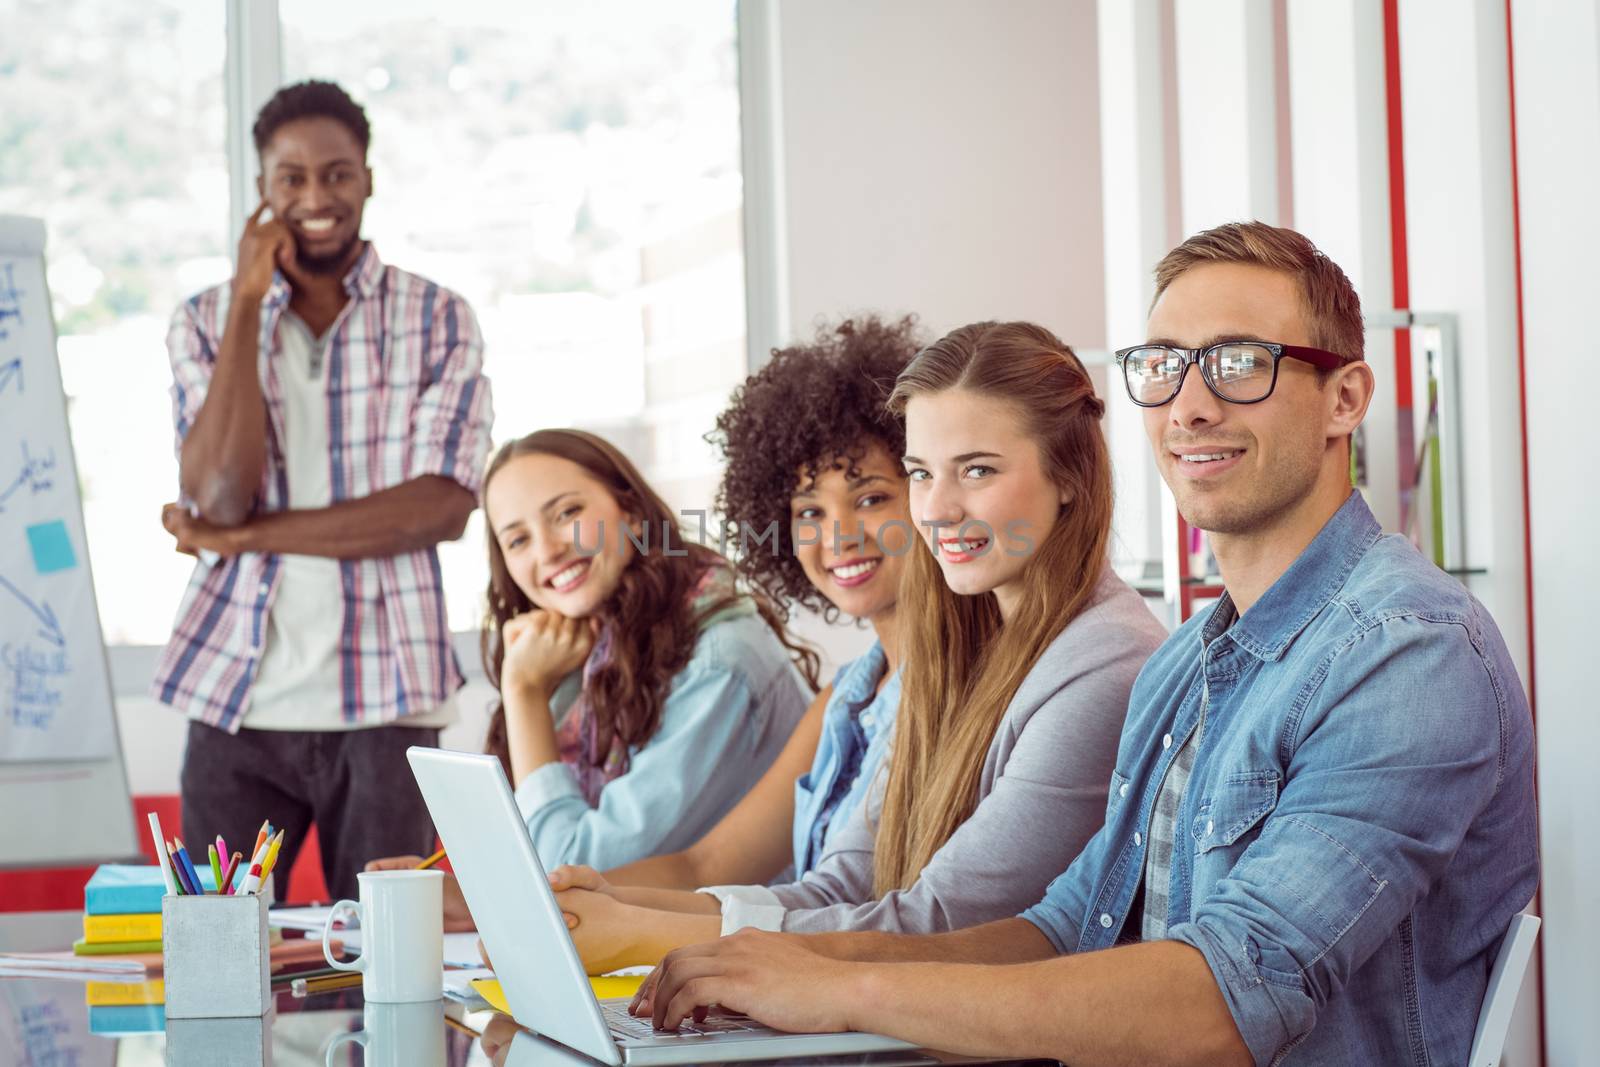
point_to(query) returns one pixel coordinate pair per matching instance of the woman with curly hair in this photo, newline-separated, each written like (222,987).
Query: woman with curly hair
(812,455)
(1020,647)
(642,693)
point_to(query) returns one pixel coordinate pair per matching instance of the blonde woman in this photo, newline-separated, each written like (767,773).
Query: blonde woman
(1019,648)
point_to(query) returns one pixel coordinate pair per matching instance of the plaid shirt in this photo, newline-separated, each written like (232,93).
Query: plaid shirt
(406,398)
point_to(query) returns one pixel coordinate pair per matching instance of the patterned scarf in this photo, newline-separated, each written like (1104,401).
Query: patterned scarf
(598,760)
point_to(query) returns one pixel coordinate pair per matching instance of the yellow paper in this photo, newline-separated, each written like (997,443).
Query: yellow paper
(605,988)
(104,929)
(153,991)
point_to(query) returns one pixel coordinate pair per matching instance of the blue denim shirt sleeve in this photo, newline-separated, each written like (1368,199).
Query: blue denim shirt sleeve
(1395,749)
(840,749)
(1067,898)
(679,779)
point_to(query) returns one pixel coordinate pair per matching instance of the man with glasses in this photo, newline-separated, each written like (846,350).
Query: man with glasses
(1322,816)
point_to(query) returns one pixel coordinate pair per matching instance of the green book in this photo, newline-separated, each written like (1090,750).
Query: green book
(81,947)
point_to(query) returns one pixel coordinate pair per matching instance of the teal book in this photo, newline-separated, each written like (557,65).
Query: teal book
(126,889)
(116,1019)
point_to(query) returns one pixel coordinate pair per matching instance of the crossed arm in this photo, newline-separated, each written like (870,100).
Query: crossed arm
(222,427)
(995,990)
(414,515)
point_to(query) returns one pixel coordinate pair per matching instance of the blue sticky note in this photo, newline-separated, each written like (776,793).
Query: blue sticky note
(52,547)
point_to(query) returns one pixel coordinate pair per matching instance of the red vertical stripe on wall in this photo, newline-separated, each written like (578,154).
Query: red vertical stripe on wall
(1522,402)
(1399,263)
(1522,352)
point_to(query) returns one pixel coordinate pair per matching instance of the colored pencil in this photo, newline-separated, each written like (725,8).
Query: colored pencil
(305,987)
(227,876)
(188,867)
(216,865)
(261,839)
(177,869)
(287,977)
(430,861)
(272,855)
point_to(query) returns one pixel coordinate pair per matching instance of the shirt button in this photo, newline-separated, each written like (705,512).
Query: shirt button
(1137,840)
(1210,826)
(1166,742)
(1123,791)
(1105,920)
(265,588)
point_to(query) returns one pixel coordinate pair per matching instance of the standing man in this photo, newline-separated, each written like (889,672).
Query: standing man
(332,422)
(1322,816)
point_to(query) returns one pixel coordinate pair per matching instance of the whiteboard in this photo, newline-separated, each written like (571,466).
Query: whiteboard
(63,787)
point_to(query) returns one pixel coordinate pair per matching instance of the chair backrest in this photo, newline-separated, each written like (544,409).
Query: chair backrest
(1500,999)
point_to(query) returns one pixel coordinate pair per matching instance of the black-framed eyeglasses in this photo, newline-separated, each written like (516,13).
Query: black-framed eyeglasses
(1240,372)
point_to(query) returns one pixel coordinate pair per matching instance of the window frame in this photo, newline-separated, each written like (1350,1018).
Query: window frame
(253,71)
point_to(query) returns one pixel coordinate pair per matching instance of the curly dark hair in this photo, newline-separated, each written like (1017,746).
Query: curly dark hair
(304,100)
(811,406)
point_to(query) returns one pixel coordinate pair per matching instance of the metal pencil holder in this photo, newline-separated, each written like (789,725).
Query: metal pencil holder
(215,958)
(241,1042)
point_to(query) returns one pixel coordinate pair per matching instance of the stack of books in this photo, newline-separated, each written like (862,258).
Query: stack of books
(122,910)
(122,917)
(126,1007)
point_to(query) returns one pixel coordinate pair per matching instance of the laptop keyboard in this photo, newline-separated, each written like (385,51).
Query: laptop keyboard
(626,1027)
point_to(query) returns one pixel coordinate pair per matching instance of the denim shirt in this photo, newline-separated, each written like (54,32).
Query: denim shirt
(1358,831)
(856,732)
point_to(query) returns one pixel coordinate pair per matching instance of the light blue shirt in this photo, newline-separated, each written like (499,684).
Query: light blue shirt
(1358,829)
(856,731)
(728,715)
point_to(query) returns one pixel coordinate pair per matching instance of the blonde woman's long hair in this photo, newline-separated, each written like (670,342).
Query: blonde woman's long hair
(962,667)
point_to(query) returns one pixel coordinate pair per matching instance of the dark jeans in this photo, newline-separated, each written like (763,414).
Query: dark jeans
(355,785)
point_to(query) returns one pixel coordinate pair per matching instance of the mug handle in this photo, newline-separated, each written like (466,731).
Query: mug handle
(352,1035)
(360,962)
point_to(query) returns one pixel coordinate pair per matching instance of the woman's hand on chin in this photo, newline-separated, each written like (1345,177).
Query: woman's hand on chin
(541,648)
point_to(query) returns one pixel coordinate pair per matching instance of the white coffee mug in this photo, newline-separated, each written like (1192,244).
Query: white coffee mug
(402,935)
(397,1035)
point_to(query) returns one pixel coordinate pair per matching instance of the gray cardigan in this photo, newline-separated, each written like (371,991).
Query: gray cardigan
(1041,797)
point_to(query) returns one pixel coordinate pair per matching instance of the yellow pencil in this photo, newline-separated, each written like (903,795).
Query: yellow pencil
(430,861)
(305,987)
(272,855)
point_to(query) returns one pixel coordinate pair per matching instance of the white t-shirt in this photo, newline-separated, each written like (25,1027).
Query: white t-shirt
(298,681)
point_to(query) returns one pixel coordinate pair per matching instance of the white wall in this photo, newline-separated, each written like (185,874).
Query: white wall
(1139,195)
(1557,64)
(940,157)
(1227,111)
(1463,254)
(943,157)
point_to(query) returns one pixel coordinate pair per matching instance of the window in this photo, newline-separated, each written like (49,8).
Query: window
(573,171)
(113,129)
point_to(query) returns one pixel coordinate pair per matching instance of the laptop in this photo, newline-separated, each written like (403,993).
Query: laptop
(539,970)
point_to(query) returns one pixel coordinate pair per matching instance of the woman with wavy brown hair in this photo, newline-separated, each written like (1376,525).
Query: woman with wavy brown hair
(642,692)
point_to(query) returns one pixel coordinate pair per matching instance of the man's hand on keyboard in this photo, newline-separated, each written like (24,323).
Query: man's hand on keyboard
(773,978)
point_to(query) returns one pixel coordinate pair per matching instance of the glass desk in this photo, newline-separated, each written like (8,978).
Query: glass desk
(45,1023)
